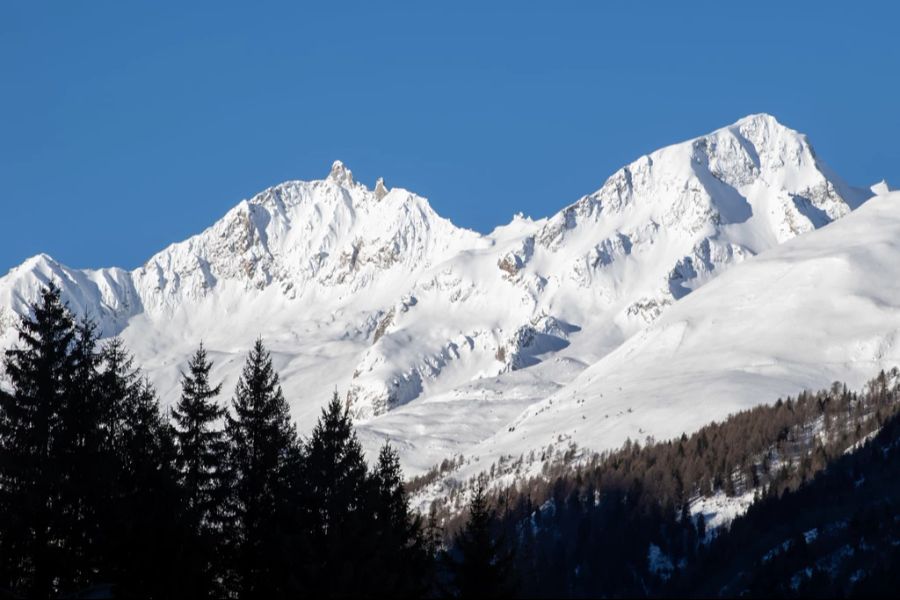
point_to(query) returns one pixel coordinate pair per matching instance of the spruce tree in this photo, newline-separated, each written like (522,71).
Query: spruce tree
(262,449)
(118,383)
(403,560)
(433,533)
(86,468)
(482,565)
(201,460)
(40,371)
(144,499)
(338,518)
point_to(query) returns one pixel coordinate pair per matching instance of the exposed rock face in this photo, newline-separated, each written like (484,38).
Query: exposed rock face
(340,174)
(372,292)
(380,190)
(515,260)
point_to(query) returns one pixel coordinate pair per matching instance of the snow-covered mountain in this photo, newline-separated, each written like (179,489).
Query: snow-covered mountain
(824,307)
(439,336)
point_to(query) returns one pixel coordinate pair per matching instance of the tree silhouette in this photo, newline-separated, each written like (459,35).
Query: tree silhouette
(32,451)
(338,517)
(404,562)
(482,567)
(262,450)
(201,460)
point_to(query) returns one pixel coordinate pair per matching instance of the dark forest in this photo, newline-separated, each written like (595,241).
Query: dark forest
(103,493)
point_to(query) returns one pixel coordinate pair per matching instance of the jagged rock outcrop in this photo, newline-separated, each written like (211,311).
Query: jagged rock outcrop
(372,292)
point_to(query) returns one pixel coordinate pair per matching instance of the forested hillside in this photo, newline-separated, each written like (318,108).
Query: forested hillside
(104,494)
(656,519)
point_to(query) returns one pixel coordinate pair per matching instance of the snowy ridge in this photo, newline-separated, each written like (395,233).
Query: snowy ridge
(824,307)
(609,264)
(303,237)
(108,295)
(372,293)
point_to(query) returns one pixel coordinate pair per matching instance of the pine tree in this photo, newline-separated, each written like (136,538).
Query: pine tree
(482,567)
(402,556)
(144,499)
(118,383)
(433,533)
(262,448)
(86,467)
(201,460)
(40,371)
(335,484)
(151,498)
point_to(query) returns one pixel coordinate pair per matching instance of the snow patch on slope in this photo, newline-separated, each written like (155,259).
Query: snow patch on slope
(370,292)
(824,307)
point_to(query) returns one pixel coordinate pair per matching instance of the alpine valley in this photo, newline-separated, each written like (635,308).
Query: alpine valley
(701,279)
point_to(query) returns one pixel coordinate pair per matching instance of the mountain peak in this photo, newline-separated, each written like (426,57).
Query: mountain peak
(763,128)
(41,262)
(759,118)
(41,257)
(394,302)
(765,132)
(881,188)
(380,189)
(340,174)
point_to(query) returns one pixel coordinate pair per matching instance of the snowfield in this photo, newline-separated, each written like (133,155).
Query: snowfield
(691,284)
(821,308)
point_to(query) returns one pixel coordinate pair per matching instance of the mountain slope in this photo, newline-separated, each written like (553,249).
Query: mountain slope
(606,266)
(307,239)
(372,293)
(820,308)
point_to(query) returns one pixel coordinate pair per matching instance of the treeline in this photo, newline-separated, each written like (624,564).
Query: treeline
(836,536)
(102,493)
(623,524)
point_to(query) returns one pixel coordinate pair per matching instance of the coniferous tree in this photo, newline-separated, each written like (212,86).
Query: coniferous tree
(262,450)
(433,533)
(201,461)
(144,499)
(40,371)
(335,485)
(403,561)
(482,567)
(85,466)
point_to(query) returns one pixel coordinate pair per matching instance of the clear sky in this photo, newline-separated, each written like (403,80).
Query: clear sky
(125,126)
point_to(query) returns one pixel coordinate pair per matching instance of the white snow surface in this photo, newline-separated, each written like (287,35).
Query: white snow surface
(447,341)
(820,308)
(719,510)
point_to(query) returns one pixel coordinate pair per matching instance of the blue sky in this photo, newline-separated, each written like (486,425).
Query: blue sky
(126,128)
